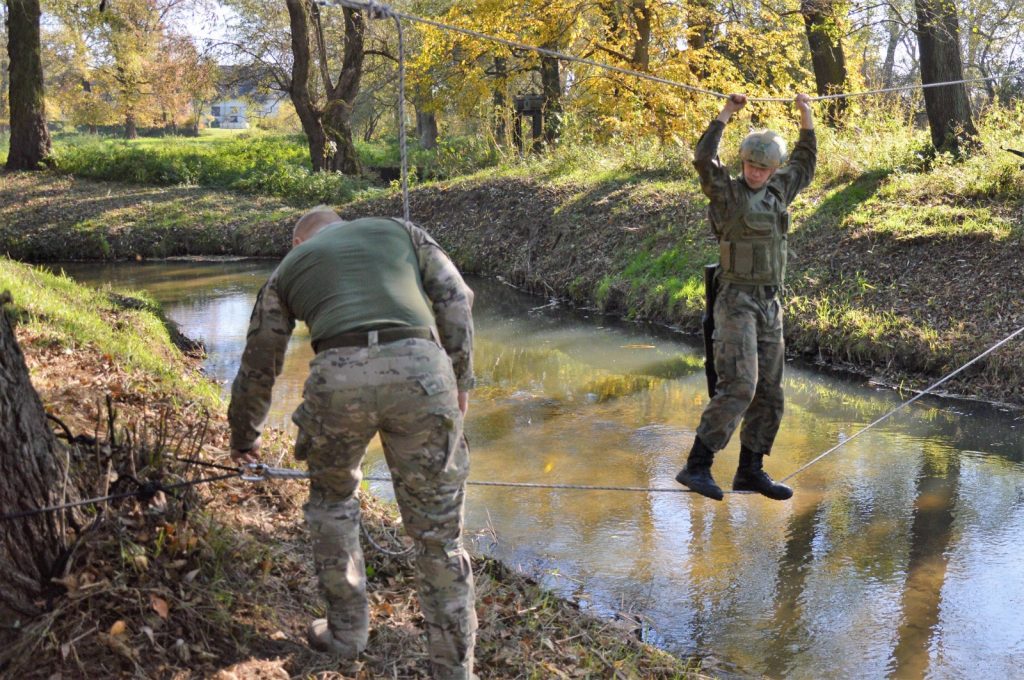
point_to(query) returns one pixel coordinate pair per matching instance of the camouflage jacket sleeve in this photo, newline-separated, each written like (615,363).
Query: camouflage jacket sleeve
(452,302)
(799,172)
(270,327)
(715,181)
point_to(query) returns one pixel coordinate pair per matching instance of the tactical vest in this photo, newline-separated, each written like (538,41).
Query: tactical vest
(752,242)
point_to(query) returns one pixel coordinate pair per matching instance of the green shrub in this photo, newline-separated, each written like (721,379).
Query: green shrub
(276,165)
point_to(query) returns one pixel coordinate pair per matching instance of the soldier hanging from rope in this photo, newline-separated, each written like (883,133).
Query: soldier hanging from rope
(750,219)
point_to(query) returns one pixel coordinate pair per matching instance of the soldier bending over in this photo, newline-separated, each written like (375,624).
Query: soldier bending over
(391,324)
(750,219)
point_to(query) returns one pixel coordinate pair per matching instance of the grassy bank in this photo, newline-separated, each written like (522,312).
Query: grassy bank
(56,315)
(257,163)
(254,162)
(47,217)
(216,581)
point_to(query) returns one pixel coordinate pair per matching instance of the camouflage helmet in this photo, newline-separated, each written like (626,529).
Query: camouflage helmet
(763,148)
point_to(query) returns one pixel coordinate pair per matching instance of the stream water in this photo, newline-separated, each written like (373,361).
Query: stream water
(901,555)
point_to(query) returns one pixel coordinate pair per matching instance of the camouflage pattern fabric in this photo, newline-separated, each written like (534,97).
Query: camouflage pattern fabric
(272,323)
(730,195)
(749,358)
(406,391)
(748,339)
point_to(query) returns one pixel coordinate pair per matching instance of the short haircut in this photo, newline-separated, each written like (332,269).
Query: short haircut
(314,220)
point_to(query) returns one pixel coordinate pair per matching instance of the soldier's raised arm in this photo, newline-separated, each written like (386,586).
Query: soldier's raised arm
(799,172)
(715,181)
(452,302)
(270,327)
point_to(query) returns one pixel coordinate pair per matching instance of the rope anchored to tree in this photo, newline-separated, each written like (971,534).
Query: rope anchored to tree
(145,491)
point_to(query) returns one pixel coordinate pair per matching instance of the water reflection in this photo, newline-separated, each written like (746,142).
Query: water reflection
(897,557)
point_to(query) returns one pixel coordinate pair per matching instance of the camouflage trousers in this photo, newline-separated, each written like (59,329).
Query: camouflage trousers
(405,391)
(749,359)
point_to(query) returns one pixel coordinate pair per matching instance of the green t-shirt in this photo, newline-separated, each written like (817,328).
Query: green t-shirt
(355,276)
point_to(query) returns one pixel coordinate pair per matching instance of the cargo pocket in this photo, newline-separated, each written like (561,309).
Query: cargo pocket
(743,258)
(435,384)
(309,426)
(759,224)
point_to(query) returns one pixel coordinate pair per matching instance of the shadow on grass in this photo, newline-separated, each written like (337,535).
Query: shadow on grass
(834,209)
(51,217)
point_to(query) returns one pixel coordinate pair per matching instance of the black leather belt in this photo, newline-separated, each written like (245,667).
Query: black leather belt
(362,339)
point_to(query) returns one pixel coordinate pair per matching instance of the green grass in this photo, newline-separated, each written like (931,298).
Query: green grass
(62,313)
(273,165)
(916,222)
(255,162)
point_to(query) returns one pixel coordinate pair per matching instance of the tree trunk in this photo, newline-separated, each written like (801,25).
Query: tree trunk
(642,44)
(131,130)
(889,65)
(827,55)
(328,128)
(499,100)
(700,29)
(341,148)
(948,109)
(426,129)
(30,140)
(551,90)
(30,477)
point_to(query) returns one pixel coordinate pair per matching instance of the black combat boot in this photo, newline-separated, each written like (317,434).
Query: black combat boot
(751,477)
(697,473)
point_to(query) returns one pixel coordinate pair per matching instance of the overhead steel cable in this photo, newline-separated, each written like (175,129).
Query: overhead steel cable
(382,10)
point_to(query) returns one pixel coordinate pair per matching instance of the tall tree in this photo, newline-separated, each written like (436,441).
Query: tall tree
(326,120)
(185,81)
(824,37)
(29,478)
(948,109)
(551,91)
(30,140)
(131,31)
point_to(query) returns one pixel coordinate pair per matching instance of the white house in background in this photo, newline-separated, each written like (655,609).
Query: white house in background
(240,106)
(240,113)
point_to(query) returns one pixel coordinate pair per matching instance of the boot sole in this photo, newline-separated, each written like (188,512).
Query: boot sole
(774,497)
(698,488)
